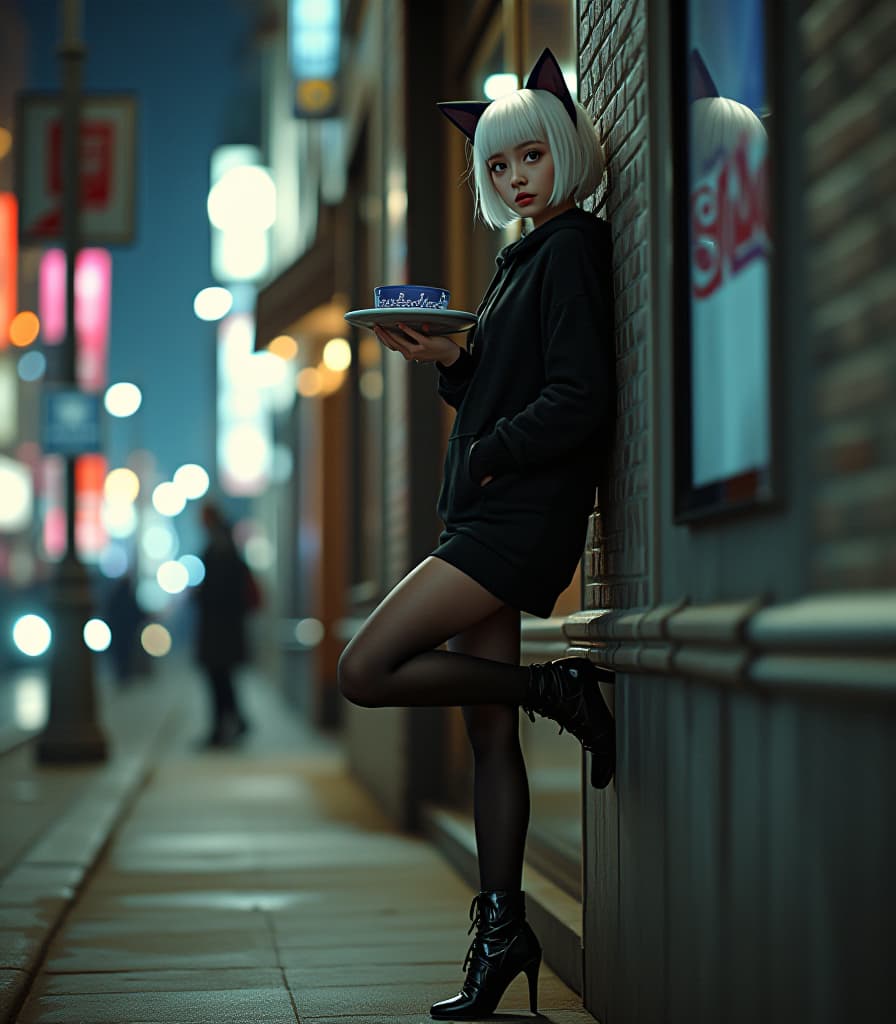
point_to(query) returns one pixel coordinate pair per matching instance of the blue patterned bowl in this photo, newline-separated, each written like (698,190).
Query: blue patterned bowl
(410,296)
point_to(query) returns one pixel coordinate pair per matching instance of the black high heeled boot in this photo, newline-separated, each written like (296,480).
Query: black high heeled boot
(566,691)
(503,947)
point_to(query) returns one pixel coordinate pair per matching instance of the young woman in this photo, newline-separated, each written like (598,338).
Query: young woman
(534,395)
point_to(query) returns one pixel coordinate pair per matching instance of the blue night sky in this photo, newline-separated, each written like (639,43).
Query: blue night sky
(188,64)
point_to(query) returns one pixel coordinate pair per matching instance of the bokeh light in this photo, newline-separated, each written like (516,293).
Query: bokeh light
(259,553)
(32,635)
(16,495)
(191,480)
(168,500)
(213,303)
(122,485)
(97,635)
(337,354)
(244,198)
(370,384)
(284,347)
(159,542)
(308,382)
(30,701)
(31,367)
(195,568)
(500,84)
(155,640)
(267,370)
(24,328)
(172,577)
(119,518)
(113,561)
(309,632)
(123,399)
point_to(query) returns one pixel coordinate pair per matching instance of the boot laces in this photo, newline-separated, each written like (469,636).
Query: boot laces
(577,715)
(480,923)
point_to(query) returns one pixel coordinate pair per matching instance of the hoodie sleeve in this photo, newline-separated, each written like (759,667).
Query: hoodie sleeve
(455,379)
(577,344)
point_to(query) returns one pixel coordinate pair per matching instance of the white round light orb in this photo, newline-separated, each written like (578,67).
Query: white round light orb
(498,85)
(309,632)
(119,518)
(172,577)
(213,303)
(337,354)
(122,485)
(156,640)
(259,553)
(195,569)
(123,399)
(168,500)
(97,635)
(243,198)
(267,369)
(32,635)
(191,480)
(159,542)
(16,495)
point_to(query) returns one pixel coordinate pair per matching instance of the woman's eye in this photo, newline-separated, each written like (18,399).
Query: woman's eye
(533,155)
(496,168)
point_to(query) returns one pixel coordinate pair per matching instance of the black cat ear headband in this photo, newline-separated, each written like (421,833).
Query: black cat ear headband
(545,75)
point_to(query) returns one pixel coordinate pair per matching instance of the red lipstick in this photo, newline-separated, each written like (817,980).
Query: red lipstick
(523,198)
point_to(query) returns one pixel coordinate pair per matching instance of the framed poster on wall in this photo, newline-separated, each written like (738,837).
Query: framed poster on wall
(723,259)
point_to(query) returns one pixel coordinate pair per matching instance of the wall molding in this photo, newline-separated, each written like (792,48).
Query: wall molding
(841,644)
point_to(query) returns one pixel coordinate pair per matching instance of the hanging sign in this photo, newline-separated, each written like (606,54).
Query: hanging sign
(107,162)
(313,36)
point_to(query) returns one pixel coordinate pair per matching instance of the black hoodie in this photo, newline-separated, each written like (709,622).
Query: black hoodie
(534,390)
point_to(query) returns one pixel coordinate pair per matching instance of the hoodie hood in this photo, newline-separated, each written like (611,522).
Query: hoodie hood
(595,228)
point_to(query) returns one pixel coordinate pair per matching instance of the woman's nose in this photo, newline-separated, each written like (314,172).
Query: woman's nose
(518,177)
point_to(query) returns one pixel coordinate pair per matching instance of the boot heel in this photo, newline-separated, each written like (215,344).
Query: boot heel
(532,975)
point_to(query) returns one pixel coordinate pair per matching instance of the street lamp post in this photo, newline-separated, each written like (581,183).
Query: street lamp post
(72,732)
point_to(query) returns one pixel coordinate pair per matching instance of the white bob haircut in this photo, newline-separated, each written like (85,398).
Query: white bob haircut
(536,114)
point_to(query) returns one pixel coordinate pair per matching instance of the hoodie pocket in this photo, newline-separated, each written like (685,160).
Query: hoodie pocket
(460,497)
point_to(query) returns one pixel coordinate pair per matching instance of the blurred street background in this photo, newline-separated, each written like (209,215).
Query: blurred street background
(192,196)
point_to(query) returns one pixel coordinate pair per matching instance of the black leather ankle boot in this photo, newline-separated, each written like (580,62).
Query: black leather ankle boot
(503,947)
(566,691)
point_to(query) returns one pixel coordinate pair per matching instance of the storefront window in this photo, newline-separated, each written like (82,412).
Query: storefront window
(723,415)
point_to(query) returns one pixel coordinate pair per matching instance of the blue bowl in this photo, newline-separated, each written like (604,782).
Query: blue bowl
(410,296)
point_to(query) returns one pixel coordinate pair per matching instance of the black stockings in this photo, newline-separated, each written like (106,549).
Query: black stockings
(392,662)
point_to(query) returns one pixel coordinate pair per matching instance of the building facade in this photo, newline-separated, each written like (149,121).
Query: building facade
(739,571)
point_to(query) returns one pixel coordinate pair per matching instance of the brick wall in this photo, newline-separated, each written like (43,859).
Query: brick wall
(849,77)
(612,66)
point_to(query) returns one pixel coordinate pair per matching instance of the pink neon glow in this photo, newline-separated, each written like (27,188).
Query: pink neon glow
(93,302)
(51,296)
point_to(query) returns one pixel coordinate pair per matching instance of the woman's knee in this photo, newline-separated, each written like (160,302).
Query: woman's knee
(358,677)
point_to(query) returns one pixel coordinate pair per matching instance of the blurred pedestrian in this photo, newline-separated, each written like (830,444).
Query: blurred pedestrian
(124,616)
(223,600)
(534,395)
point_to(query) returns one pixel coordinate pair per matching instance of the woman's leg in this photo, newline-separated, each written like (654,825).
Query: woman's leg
(500,786)
(392,661)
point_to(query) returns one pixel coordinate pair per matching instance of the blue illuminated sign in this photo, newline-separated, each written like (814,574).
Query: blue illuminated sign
(314,55)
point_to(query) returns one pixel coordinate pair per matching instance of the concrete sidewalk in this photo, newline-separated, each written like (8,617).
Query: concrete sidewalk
(258,885)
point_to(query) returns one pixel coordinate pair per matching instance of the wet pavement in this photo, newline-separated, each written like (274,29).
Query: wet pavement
(254,884)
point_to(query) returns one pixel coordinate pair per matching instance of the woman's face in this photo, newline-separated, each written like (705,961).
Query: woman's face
(524,179)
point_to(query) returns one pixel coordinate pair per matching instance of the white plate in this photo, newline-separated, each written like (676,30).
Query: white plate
(440,321)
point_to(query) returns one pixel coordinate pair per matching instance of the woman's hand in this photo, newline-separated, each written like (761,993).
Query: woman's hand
(416,346)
